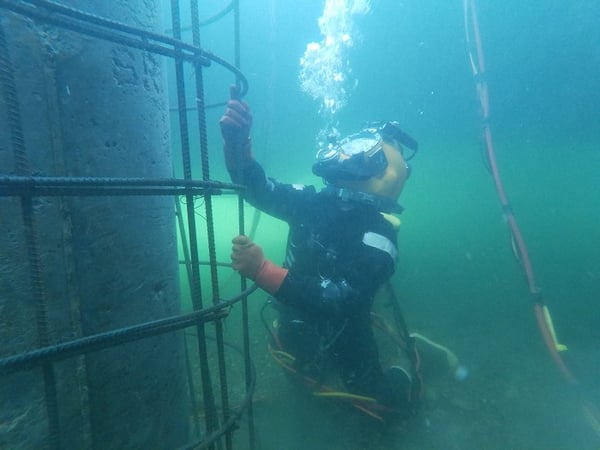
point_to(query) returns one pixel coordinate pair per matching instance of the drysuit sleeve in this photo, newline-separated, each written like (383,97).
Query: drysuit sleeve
(277,199)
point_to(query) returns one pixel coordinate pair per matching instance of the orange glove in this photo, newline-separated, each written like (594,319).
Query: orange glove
(248,259)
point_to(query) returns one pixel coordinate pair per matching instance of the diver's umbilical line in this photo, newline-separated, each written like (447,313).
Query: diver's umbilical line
(542,313)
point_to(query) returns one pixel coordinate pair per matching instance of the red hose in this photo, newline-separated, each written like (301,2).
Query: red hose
(478,70)
(478,66)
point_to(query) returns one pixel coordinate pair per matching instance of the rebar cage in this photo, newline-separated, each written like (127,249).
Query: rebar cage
(23,191)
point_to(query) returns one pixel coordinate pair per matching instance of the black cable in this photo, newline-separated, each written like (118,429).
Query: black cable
(268,327)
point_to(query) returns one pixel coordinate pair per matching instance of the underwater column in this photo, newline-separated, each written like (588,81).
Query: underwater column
(76,106)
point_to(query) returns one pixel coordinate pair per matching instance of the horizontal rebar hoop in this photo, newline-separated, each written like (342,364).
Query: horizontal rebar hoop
(99,186)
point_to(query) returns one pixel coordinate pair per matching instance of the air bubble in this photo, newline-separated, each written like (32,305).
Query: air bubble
(324,67)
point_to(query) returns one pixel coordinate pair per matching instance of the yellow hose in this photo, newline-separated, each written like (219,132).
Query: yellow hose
(345,395)
(559,347)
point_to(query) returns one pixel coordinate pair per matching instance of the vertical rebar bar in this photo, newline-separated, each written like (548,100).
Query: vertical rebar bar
(196,292)
(188,268)
(210,229)
(241,227)
(9,90)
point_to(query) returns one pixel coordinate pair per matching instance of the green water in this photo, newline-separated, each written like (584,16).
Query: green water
(457,278)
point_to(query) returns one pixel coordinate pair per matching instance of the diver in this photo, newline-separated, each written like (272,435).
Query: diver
(341,249)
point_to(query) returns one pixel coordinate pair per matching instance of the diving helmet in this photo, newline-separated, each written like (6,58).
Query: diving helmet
(374,160)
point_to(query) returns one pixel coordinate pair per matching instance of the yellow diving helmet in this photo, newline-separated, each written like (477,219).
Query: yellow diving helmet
(373,160)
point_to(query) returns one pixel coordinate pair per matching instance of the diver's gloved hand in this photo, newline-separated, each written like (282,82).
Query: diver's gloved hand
(236,123)
(248,259)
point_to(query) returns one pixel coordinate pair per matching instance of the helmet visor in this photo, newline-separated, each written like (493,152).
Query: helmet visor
(366,142)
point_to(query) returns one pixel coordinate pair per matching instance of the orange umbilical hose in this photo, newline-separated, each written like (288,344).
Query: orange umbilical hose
(541,311)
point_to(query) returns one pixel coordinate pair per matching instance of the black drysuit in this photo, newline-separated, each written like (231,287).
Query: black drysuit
(339,253)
